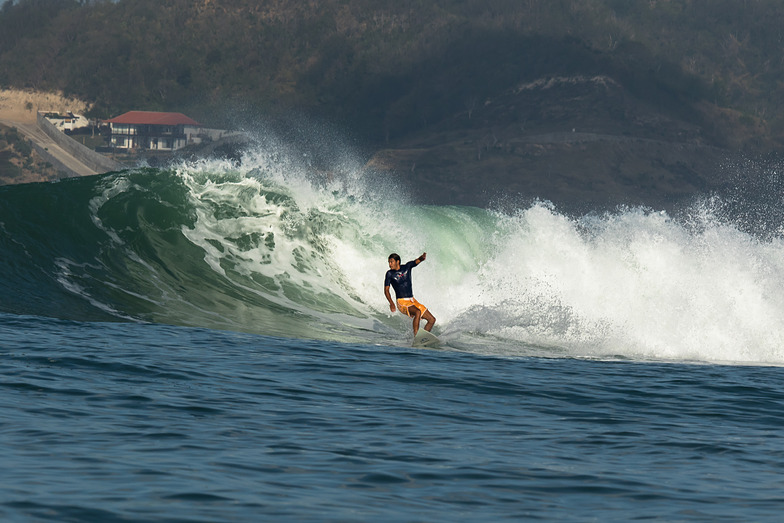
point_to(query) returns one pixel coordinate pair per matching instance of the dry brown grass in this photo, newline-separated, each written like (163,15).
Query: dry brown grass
(18,105)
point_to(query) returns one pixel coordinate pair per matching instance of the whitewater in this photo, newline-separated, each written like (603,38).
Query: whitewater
(266,247)
(210,341)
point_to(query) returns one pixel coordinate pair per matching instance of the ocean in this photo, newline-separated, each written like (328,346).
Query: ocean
(210,342)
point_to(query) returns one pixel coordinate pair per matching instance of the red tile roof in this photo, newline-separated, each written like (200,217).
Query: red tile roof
(153,118)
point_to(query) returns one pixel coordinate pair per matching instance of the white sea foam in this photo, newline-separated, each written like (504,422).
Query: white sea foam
(634,283)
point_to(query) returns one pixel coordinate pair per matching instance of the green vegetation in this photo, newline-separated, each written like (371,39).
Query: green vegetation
(18,162)
(8,170)
(14,140)
(388,68)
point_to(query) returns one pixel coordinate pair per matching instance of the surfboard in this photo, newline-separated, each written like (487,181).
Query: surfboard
(426,339)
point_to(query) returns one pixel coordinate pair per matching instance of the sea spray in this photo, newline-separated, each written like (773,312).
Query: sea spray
(635,283)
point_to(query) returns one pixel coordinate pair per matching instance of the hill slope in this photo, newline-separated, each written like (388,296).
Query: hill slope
(452,94)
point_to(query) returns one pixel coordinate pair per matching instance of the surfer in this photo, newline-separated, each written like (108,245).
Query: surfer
(400,278)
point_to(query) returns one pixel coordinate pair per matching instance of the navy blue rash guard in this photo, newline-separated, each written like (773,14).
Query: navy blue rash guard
(401,280)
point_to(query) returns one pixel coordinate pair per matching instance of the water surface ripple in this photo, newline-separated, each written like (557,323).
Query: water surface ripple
(135,422)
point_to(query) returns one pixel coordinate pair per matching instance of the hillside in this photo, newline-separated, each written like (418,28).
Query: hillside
(581,100)
(19,163)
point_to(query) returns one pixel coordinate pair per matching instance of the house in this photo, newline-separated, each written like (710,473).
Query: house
(67,122)
(152,131)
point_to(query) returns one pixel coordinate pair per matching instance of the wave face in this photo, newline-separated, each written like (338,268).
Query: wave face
(265,246)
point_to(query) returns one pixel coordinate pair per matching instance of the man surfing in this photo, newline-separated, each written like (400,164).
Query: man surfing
(400,278)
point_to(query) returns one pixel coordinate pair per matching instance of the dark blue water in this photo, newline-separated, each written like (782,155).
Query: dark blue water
(141,422)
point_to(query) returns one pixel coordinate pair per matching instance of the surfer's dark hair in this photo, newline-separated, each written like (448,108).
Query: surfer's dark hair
(394,256)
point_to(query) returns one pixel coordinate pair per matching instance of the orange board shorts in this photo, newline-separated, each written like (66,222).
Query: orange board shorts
(404,303)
